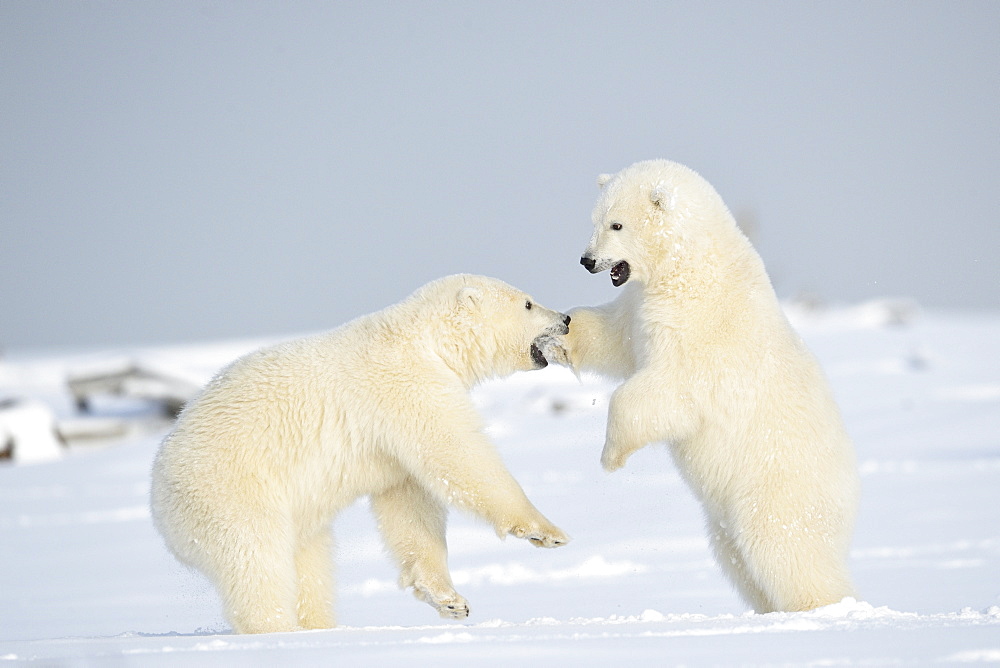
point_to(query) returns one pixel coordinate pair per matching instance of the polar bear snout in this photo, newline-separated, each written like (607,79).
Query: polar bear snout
(559,329)
(558,325)
(594,265)
(620,271)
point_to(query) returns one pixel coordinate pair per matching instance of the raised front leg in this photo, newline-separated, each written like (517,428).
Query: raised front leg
(601,338)
(412,523)
(471,476)
(643,411)
(455,462)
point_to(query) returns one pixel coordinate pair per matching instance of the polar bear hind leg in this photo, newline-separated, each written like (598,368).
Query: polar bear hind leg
(793,570)
(313,564)
(257,580)
(730,558)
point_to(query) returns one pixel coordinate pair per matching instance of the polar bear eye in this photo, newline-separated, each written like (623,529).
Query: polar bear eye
(528,304)
(616,226)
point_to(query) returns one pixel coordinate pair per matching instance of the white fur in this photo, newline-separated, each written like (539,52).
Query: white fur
(712,367)
(246,485)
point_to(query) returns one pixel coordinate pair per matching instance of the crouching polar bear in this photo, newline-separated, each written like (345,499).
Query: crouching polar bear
(245,486)
(712,367)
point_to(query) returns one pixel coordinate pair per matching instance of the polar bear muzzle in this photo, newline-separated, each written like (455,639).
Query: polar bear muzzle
(620,273)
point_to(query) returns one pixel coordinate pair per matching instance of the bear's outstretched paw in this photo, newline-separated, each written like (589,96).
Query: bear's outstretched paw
(553,349)
(548,541)
(552,537)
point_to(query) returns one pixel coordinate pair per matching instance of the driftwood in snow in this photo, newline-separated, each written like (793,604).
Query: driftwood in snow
(126,378)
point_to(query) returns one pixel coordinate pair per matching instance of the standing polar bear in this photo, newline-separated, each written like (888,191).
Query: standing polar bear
(712,367)
(246,485)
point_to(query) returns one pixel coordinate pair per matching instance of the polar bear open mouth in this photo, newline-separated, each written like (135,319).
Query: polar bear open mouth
(620,273)
(538,357)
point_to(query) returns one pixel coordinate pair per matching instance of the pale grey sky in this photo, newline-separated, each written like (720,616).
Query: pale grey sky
(182,171)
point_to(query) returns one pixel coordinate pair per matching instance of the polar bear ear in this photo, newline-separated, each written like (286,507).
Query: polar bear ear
(602,179)
(662,196)
(469,296)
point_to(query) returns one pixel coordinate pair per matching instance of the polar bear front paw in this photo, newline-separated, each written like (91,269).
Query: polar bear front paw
(553,349)
(612,459)
(449,605)
(456,608)
(551,537)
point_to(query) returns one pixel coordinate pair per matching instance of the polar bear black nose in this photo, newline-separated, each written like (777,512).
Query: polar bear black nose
(588,263)
(566,320)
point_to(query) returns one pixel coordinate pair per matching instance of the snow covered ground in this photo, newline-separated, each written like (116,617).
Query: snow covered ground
(84,578)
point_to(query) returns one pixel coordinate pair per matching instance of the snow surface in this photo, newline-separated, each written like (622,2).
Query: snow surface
(84,578)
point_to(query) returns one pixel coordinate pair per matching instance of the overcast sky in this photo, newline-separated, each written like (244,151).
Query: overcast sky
(182,171)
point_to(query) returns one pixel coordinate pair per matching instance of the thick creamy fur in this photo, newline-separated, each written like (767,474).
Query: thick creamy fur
(246,485)
(712,367)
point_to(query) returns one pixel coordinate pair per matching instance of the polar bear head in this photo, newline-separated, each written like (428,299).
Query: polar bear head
(491,329)
(645,216)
